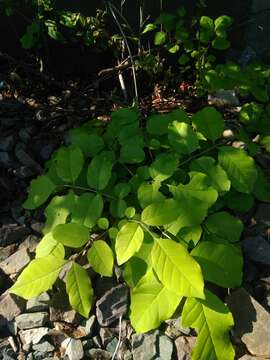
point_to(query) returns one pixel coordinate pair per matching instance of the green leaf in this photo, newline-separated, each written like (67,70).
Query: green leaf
(239,202)
(100,170)
(265,141)
(39,276)
(157,124)
(239,167)
(222,23)
(128,241)
(221,43)
(149,27)
(217,176)
(225,226)
(79,289)
(40,189)
(58,210)
(49,246)
(103,223)
(149,193)
(131,154)
(151,304)
(160,38)
(251,115)
(221,264)
(213,321)
(118,208)
(160,213)
(88,209)
(130,212)
(190,235)
(192,203)
(206,29)
(100,257)
(176,269)
(182,138)
(183,59)
(121,190)
(71,235)
(134,270)
(163,166)
(69,163)
(209,122)
(262,187)
(90,144)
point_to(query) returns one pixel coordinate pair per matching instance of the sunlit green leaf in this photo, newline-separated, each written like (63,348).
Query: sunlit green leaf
(71,234)
(40,189)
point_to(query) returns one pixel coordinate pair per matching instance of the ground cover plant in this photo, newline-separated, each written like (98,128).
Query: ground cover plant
(157,197)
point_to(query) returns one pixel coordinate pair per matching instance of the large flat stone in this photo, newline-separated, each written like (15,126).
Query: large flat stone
(112,305)
(252,322)
(257,248)
(10,307)
(16,262)
(32,320)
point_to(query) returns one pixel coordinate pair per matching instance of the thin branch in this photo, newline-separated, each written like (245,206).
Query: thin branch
(119,338)
(75,187)
(111,7)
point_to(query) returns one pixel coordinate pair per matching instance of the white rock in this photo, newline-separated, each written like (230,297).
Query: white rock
(73,348)
(33,336)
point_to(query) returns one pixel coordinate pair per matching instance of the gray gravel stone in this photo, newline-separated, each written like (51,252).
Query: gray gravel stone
(73,348)
(12,233)
(111,346)
(145,344)
(33,336)
(32,320)
(257,249)
(251,323)
(15,262)
(10,306)
(263,214)
(165,348)
(88,325)
(7,143)
(44,347)
(39,303)
(184,347)
(174,328)
(5,159)
(112,305)
(98,354)
(248,357)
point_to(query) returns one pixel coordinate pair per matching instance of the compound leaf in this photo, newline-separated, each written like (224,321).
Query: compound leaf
(79,289)
(71,234)
(100,257)
(37,277)
(151,304)
(176,269)
(240,168)
(90,144)
(221,264)
(128,241)
(213,321)
(40,189)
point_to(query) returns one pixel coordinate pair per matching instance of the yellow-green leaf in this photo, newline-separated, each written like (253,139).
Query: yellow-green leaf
(48,245)
(176,269)
(79,289)
(38,276)
(40,189)
(128,241)
(71,234)
(100,257)
(151,304)
(213,321)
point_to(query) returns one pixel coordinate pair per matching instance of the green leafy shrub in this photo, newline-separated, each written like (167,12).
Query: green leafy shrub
(159,197)
(193,41)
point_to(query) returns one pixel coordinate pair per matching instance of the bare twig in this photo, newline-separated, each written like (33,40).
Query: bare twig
(119,338)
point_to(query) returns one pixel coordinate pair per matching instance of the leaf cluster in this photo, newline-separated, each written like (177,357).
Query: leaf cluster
(159,197)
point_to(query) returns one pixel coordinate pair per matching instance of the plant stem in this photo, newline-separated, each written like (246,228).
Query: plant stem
(201,153)
(75,187)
